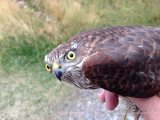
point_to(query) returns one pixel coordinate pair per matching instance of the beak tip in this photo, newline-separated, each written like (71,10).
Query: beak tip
(59,79)
(58,73)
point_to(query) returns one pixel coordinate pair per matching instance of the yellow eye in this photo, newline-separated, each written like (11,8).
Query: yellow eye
(71,55)
(48,68)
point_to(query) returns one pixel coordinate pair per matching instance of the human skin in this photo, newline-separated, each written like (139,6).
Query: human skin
(150,107)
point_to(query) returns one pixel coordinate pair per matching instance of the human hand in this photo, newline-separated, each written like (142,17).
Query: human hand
(150,107)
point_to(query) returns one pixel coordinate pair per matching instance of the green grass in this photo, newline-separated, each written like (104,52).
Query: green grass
(27,90)
(31,94)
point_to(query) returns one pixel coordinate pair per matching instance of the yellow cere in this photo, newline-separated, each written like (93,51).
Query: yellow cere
(71,55)
(48,68)
(55,65)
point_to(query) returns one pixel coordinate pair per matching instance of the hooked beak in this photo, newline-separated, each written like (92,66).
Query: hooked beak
(58,71)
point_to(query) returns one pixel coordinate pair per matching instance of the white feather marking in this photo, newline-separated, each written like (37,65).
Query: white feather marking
(141,46)
(46,58)
(74,45)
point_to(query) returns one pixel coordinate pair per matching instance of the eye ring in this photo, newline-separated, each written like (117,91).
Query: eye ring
(71,55)
(48,68)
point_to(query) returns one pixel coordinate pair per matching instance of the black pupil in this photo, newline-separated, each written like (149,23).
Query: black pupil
(71,55)
(48,67)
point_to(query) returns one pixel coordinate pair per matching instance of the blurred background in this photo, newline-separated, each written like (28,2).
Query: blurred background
(29,29)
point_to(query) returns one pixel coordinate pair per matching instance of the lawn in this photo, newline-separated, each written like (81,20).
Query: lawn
(30,29)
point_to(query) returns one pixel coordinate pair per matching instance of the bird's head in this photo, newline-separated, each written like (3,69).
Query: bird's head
(65,63)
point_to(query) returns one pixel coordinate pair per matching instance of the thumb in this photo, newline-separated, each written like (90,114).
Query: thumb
(110,98)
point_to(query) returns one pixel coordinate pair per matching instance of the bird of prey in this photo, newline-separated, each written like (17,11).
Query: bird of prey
(124,60)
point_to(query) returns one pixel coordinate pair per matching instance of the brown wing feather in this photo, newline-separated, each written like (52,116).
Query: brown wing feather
(126,60)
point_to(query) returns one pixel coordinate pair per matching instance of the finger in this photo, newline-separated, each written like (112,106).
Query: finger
(111,100)
(102,96)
